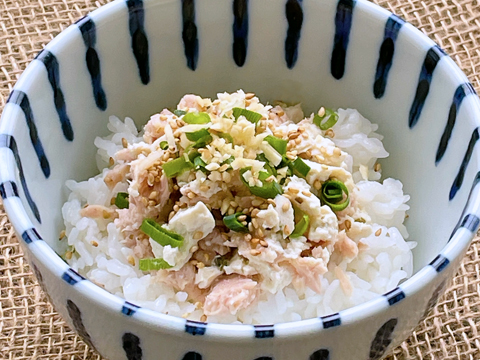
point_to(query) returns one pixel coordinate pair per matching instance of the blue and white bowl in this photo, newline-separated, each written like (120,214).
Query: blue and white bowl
(134,57)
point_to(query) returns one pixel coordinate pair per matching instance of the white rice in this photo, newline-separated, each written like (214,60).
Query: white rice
(385,262)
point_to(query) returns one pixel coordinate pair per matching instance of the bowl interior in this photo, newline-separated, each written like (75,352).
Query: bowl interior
(134,61)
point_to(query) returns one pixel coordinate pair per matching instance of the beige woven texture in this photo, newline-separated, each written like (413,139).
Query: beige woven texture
(29,326)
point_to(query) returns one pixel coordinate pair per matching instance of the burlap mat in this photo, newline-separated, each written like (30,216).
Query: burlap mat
(29,326)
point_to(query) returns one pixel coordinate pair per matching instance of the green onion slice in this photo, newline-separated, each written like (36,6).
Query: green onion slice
(196,118)
(161,235)
(226,136)
(334,193)
(300,167)
(278,144)
(200,138)
(164,145)
(153,264)
(326,121)
(199,163)
(251,116)
(179,112)
(176,167)
(268,167)
(121,201)
(301,227)
(269,189)
(231,222)
(223,260)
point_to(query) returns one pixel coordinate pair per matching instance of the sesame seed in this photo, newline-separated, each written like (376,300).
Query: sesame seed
(293,135)
(185,315)
(200,265)
(151,179)
(298,141)
(206,257)
(294,191)
(270,178)
(319,158)
(286,230)
(348,224)
(287,196)
(112,201)
(242,218)
(62,235)
(244,223)
(193,249)
(271,202)
(377,167)
(204,187)
(337,151)
(260,232)
(249,96)
(171,215)
(254,212)
(68,255)
(231,211)
(198,305)
(203,318)
(257,202)
(255,223)
(233,204)
(197,235)
(111,161)
(308,153)
(263,243)
(285,207)
(152,203)
(321,111)
(153,195)
(330,133)
(255,252)
(245,211)
(176,207)
(175,187)
(94,243)
(194,262)
(131,260)
(248,237)
(250,227)
(190,195)
(144,201)
(299,199)
(124,143)
(223,167)
(378,232)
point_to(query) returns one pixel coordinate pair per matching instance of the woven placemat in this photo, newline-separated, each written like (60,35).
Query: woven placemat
(29,326)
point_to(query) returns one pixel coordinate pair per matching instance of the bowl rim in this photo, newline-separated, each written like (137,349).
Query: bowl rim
(458,243)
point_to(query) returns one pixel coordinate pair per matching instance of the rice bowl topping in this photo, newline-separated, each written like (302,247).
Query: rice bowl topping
(232,211)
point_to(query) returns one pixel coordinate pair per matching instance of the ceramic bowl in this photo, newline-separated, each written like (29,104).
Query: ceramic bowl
(132,58)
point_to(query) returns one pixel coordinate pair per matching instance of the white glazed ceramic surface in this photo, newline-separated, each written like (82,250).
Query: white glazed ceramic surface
(132,58)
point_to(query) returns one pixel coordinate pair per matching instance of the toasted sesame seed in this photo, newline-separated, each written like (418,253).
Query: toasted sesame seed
(193,262)
(175,187)
(272,202)
(377,167)
(337,151)
(153,195)
(171,215)
(286,230)
(242,218)
(257,202)
(233,204)
(245,211)
(321,111)
(204,187)
(263,243)
(94,243)
(191,195)
(248,237)
(231,211)
(185,315)
(294,191)
(319,158)
(176,207)
(124,143)
(255,223)
(193,249)
(298,141)
(206,257)
(285,207)
(299,199)
(223,167)
(378,232)
(203,318)
(62,234)
(330,133)
(306,193)
(68,255)
(270,178)
(152,203)
(197,235)
(226,177)
(150,179)
(200,265)
(250,227)
(260,232)
(249,96)
(287,196)
(244,223)
(254,212)
(144,201)
(255,252)
(293,135)
(111,161)
(308,153)
(112,201)
(264,206)
(348,224)
(131,260)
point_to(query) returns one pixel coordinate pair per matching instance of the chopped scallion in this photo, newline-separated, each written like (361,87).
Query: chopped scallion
(179,112)
(161,235)
(301,227)
(334,193)
(251,116)
(300,167)
(278,144)
(268,167)
(326,121)
(164,145)
(226,136)
(200,138)
(232,222)
(268,190)
(121,201)
(176,167)
(153,264)
(196,118)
